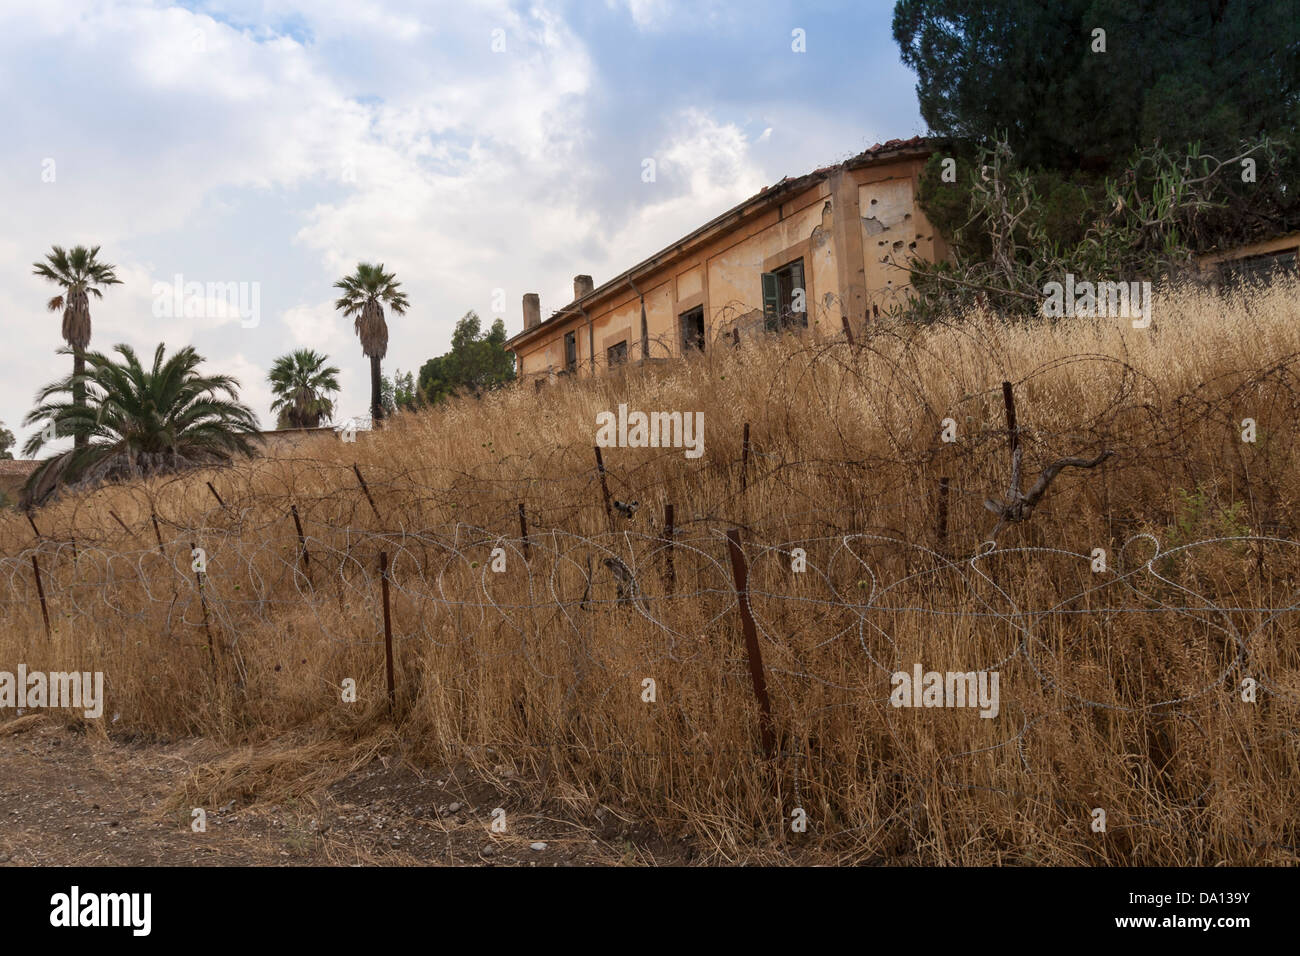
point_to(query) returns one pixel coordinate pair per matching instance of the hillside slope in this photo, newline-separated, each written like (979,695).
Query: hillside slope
(610,670)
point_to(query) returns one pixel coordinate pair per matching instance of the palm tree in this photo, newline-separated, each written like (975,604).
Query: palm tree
(136,421)
(80,274)
(364,293)
(302,386)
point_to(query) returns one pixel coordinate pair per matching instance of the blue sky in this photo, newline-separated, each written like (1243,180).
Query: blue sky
(278,143)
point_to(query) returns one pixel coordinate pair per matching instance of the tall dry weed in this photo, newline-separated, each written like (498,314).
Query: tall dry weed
(1121,689)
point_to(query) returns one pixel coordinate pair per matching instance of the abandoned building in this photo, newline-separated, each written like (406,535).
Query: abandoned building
(799,254)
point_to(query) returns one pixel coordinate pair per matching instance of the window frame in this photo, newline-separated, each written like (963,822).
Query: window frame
(778,287)
(693,341)
(1245,271)
(571,351)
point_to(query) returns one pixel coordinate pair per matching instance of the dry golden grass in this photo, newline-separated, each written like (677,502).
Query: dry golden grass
(1119,689)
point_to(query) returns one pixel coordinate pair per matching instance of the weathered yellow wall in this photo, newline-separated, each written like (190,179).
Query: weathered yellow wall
(800,230)
(690,282)
(894,229)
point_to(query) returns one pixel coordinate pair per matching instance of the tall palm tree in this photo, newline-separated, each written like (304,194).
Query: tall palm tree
(136,421)
(364,295)
(80,274)
(302,386)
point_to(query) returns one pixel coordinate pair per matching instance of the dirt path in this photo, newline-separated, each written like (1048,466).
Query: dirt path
(70,799)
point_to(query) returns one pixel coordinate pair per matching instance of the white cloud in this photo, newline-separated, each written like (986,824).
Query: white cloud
(646,14)
(318,327)
(234,112)
(703,170)
(254,390)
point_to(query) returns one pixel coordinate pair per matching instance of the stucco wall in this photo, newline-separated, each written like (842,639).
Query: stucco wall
(801,231)
(893,230)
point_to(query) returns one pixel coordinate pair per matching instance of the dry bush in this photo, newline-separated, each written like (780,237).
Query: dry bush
(1119,689)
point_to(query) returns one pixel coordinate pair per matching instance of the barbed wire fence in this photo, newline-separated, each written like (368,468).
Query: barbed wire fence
(823,605)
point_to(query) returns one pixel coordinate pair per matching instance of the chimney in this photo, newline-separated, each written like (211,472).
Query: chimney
(532,310)
(582,285)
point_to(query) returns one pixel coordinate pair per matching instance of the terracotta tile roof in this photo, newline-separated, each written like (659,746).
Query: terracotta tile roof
(868,154)
(19,468)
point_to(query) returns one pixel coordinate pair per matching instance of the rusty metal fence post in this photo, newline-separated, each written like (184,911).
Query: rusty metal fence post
(302,545)
(215,495)
(366,489)
(669,532)
(740,570)
(744,461)
(157,534)
(604,487)
(203,604)
(943,515)
(388,631)
(40,593)
(163,552)
(523,532)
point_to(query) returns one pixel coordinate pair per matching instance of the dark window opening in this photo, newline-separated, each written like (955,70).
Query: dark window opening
(570,351)
(785,298)
(693,329)
(617,354)
(1257,269)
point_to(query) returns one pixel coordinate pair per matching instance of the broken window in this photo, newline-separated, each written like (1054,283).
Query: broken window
(570,351)
(617,354)
(784,304)
(693,329)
